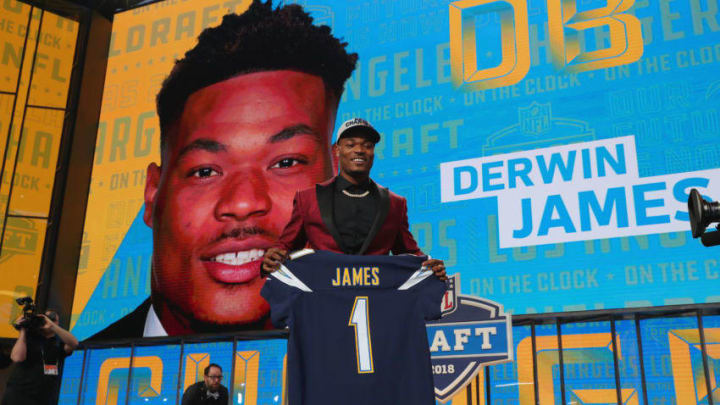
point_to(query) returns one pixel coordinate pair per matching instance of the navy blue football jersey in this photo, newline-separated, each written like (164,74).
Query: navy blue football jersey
(357,327)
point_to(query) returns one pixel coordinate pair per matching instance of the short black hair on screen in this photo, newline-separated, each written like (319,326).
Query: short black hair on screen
(262,38)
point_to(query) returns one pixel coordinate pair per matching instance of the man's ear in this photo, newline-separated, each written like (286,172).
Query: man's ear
(152,183)
(335,158)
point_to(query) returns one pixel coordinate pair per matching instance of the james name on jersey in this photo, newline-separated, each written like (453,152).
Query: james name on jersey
(357,277)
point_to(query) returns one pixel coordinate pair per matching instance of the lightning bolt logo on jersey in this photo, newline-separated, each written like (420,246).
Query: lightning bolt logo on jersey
(357,327)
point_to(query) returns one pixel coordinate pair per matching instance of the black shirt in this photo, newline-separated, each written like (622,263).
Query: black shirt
(197,394)
(354,214)
(28,383)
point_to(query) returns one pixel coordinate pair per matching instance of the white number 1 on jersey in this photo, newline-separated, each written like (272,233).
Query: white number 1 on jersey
(363,347)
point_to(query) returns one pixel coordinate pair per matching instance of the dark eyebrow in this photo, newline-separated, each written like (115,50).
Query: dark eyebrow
(205,144)
(210,145)
(288,132)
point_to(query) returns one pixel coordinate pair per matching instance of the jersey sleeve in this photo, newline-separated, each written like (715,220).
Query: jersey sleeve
(281,289)
(432,290)
(280,296)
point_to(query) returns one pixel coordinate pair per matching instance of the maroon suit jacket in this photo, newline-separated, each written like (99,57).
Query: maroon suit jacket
(312,225)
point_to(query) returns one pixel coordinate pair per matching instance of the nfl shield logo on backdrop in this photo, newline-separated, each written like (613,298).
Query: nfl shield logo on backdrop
(472,333)
(535,118)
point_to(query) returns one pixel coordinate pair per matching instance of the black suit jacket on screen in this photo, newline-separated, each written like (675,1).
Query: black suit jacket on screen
(130,326)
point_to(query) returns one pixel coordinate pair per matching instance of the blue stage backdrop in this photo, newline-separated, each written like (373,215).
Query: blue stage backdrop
(546,148)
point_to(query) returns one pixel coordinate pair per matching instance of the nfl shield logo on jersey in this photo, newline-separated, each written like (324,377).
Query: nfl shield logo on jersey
(472,333)
(449,302)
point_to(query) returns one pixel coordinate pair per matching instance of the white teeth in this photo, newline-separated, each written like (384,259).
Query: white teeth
(238,258)
(358,160)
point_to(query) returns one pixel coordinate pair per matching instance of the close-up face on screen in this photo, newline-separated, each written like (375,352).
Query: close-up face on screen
(241,150)
(234,143)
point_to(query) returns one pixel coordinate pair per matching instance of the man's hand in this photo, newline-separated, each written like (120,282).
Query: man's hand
(272,259)
(17,322)
(48,325)
(70,341)
(437,266)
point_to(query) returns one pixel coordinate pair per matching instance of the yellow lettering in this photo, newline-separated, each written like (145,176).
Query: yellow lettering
(336,280)
(357,275)
(366,271)
(566,23)
(515,45)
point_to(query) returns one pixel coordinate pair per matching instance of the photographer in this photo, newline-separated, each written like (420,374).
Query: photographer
(38,353)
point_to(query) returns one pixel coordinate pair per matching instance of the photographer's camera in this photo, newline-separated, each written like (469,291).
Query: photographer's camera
(702,214)
(30,319)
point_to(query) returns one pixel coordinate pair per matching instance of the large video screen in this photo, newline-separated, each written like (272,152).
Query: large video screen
(546,150)
(667,367)
(35,78)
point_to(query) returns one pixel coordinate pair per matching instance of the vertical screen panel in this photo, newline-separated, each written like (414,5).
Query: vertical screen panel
(629,361)
(71,374)
(54,61)
(106,376)
(514,382)
(673,361)
(589,368)
(37,49)
(34,175)
(6,105)
(548,364)
(9,147)
(12,38)
(197,356)
(259,370)
(154,374)
(711,329)
(19,266)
